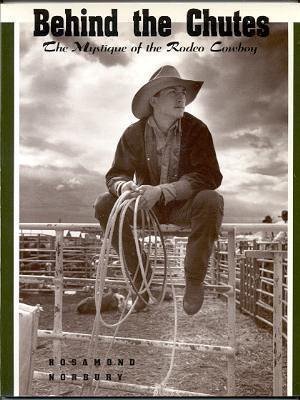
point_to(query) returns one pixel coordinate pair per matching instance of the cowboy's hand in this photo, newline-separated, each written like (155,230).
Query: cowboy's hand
(132,187)
(150,196)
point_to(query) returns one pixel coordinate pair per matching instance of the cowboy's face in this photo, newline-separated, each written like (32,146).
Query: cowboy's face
(170,102)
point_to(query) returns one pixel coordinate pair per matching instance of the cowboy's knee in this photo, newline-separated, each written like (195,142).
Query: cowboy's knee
(209,200)
(103,205)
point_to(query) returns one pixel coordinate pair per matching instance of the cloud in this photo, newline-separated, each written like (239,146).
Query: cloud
(41,144)
(60,187)
(49,193)
(243,89)
(271,168)
(71,183)
(246,140)
(257,141)
(50,82)
(26,42)
(239,210)
(44,102)
(73,111)
(74,174)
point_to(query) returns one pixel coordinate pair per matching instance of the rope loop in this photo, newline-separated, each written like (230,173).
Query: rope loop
(143,223)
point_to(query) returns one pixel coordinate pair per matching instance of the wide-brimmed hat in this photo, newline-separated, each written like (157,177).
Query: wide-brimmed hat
(164,77)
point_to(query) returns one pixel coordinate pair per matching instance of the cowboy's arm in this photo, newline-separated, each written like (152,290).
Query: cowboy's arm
(204,172)
(120,175)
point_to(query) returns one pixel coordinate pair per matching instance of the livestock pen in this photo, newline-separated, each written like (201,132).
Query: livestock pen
(225,272)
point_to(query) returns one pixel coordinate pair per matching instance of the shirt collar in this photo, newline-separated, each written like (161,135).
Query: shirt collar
(175,127)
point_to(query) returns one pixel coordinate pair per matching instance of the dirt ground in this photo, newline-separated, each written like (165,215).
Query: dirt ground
(193,371)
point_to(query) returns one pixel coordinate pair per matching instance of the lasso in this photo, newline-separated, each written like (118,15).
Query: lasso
(149,222)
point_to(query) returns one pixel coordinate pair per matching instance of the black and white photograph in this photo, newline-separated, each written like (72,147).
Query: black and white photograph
(153,203)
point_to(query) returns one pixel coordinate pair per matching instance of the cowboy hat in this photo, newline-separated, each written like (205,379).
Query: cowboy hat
(164,77)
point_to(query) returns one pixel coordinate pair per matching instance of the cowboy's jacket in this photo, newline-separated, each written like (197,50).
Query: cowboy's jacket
(197,170)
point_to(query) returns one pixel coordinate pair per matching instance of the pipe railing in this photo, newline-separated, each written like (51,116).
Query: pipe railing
(94,227)
(231,228)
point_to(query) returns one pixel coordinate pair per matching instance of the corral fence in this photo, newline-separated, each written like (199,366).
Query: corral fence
(254,276)
(257,275)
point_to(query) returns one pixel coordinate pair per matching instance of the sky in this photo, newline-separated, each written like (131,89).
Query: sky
(74,106)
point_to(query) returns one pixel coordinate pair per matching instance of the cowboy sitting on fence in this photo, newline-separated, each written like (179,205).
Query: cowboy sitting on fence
(168,156)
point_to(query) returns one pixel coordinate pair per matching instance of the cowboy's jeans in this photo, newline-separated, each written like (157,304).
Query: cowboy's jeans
(203,213)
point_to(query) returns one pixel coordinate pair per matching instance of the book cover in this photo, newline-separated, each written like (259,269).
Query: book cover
(74,78)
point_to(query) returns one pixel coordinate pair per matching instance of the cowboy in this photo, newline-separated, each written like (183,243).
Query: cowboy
(168,155)
(281,236)
(284,217)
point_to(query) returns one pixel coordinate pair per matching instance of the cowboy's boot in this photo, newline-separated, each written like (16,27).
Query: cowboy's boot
(193,296)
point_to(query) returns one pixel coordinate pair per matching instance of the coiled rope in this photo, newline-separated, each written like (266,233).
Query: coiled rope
(149,223)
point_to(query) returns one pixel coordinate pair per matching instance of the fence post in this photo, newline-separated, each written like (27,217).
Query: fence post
(256,282)
(277,326)
(218,259)
(242,283)
(181,255)
(213,266)
(231,311)
(58,301)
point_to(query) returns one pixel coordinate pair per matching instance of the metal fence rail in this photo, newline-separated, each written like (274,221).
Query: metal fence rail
(225,271)
(57,333)
(254,278)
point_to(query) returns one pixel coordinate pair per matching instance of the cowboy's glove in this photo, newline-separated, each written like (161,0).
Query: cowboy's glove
(150,196)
